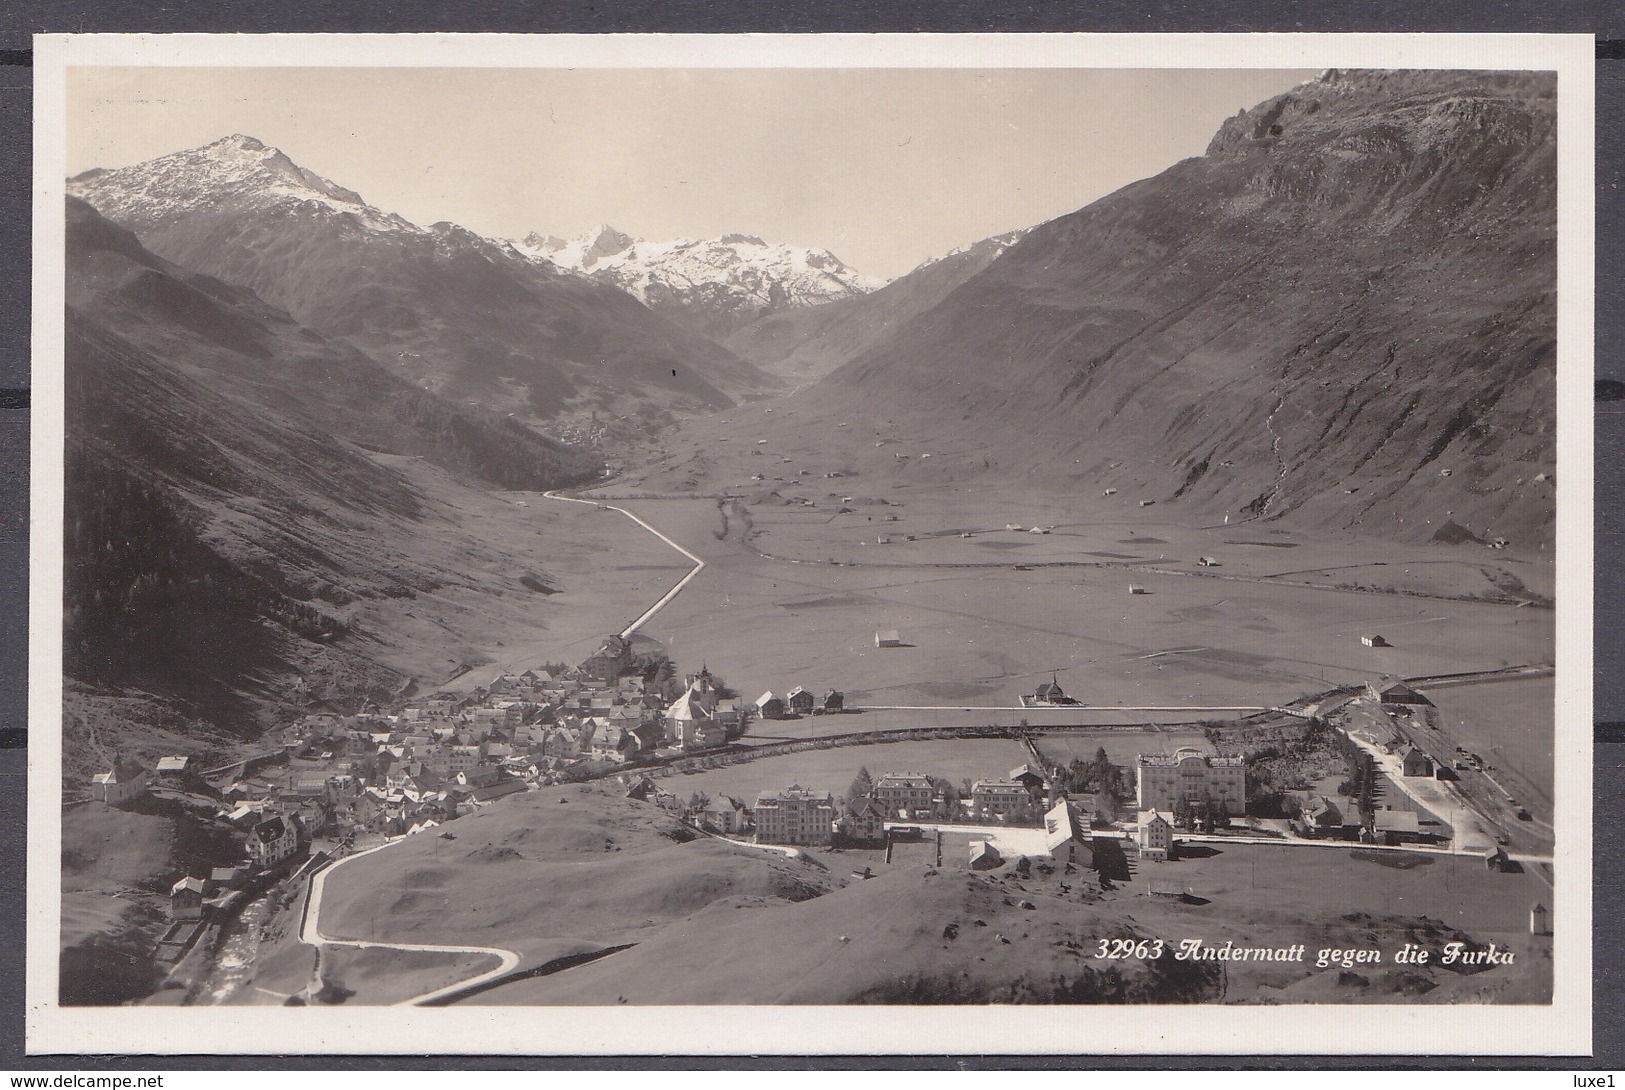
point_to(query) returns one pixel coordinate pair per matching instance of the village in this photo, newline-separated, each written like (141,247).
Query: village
(338,784)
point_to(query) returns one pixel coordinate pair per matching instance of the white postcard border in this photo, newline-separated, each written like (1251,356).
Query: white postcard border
(1563,1027)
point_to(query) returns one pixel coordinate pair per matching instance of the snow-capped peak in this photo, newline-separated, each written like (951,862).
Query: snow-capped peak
(234,173)
(736,277)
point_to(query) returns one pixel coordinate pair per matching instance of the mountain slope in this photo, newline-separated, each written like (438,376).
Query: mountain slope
(713,285)
(806,344)
(452,311)
(1344,311)
(231,340)
(252,512)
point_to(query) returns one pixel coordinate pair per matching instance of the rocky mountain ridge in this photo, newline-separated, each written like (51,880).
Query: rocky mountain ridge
(1343,312)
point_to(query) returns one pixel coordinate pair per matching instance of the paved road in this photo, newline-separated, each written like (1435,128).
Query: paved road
(310,934)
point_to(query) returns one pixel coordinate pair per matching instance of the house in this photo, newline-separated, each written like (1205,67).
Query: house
(1414,762)
(186,899)
(834,701)
(1373,641)
(888,637)
(999,798)
(610,742)
(726,814)
(227,877)
(1030,778)
(1319,816)
(479,776)
(1540,920)
(646,736)
(1154,835)
(795,816)
(769,706)
(610,661)
(983,855)
(642,789)
(1397,827)
(1135,588)
(1389,691)
(903,793)
(271,841)
(172,769)
(800,701)
(1161,780)
(864,820)
(123,783)
(1064,836)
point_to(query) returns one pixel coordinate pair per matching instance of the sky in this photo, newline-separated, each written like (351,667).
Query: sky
(885,167)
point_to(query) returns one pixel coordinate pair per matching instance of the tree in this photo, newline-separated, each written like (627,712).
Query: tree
(946,798)
(1184,814)
(863,785)
(1101,769)
(698,802)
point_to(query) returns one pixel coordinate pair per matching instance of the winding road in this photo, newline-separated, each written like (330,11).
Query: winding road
(507,960)
(648,614)
(310,934)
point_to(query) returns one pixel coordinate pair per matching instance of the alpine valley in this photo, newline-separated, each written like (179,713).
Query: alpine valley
(1245,471)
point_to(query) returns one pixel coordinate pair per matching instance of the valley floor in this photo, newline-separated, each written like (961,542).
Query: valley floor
(786,598)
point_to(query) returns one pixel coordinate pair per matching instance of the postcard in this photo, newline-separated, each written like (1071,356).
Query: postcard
(812,544)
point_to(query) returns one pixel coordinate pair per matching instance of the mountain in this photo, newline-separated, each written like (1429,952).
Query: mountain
(806,344)
(448,309)
(714,285)
(1343,311)
(252,511)
(230,339)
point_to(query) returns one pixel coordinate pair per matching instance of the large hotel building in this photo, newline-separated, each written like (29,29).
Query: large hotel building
(1163,779)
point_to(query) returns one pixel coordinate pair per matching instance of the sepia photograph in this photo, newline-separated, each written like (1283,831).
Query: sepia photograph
(989,535)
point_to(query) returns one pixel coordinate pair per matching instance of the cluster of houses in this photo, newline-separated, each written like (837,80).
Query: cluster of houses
(797,702)
(449,754)
(1326,819)
(1379,719)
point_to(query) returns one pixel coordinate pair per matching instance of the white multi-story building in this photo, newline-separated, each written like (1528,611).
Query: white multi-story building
(1162,780)
(795,816)
(903,793)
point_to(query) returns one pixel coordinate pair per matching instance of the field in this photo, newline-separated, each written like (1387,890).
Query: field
(987,634)
(550,874)
(599,572)
(978,634)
